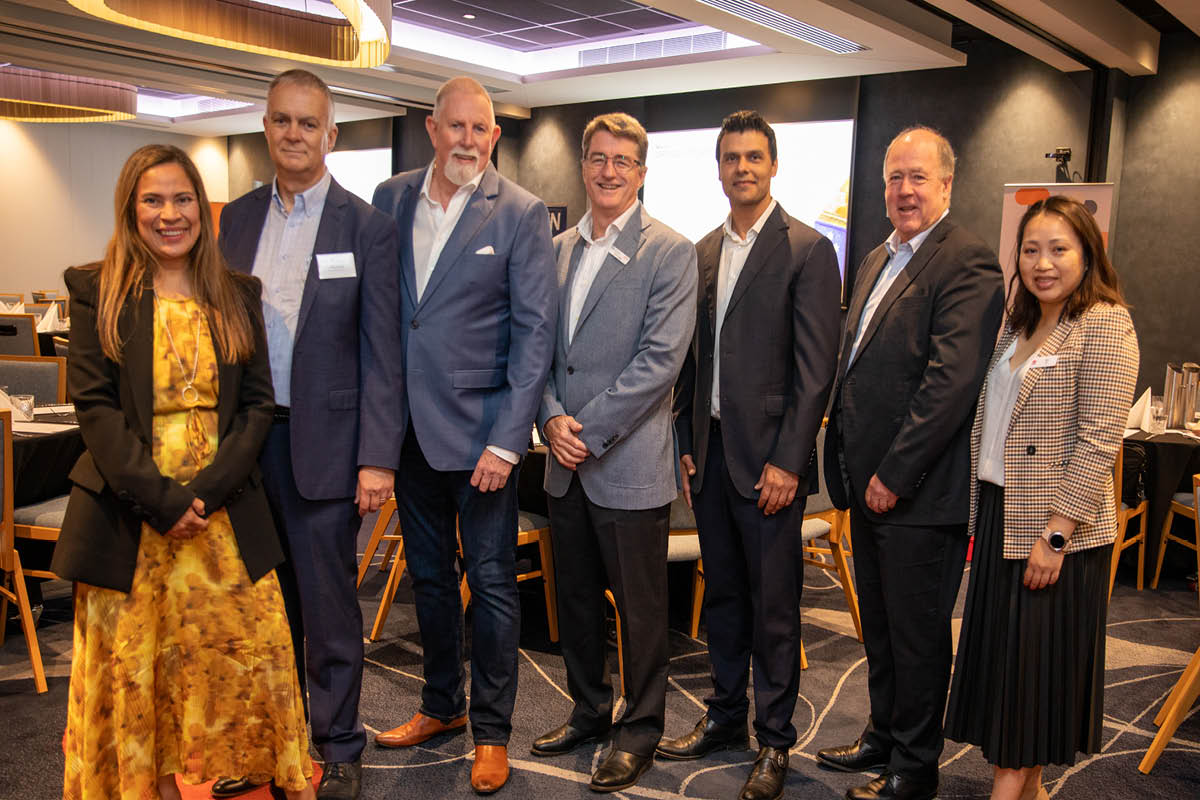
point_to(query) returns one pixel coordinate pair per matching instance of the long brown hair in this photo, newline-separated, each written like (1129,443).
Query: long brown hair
(128,261)
(1099,285)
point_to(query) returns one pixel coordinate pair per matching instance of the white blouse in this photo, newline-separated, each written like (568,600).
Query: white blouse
(1004,384)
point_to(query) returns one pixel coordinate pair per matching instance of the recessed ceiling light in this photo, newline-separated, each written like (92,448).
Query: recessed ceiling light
(468,16)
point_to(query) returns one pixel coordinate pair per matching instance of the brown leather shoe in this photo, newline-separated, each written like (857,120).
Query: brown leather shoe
(490,771)
(417,730)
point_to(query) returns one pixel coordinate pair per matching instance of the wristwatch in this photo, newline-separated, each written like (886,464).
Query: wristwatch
(1056,539)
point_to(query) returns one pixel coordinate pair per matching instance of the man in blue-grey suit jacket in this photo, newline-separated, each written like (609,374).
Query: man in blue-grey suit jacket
(627,311)
(478,316)
(327,261)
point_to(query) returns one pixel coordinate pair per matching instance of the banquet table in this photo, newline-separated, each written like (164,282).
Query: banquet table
(42,460)
(1171,459)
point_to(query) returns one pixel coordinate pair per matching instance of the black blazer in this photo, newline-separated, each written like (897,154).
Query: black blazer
(778,352)
(903,409)
(347,376)
(117,485)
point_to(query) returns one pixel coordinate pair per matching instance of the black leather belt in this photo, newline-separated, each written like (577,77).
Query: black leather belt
(282,414)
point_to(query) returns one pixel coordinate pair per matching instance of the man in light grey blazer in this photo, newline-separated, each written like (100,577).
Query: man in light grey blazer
(627,309)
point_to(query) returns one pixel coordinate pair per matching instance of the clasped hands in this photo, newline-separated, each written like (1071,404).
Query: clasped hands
(562,436)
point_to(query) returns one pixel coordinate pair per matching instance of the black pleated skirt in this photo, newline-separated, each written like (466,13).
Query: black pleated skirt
(1028,685)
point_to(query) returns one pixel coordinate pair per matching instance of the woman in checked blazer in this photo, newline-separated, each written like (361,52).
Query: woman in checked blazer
(1028,680)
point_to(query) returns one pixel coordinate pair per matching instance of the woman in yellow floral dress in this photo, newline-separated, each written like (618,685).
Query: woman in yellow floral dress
(182,663)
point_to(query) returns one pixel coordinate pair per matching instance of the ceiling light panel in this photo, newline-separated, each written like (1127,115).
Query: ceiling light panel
(788,26)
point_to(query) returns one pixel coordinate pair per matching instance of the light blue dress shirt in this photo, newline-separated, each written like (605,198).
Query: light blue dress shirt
(901,254)
(285,250)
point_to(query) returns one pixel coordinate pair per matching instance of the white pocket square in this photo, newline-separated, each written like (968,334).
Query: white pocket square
(486,251)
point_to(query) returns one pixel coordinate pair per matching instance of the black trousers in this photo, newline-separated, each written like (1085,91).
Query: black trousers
(318,585)
(597,548)
(753,576)
(907,579)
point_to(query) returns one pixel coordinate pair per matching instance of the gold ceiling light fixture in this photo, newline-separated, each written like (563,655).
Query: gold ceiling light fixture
(360,38)
(31,95)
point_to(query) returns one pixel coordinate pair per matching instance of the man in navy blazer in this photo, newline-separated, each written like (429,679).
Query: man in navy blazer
(327,261)
(477,322)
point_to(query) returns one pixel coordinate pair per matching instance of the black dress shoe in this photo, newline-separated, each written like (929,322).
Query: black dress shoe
(767,777)
(341,780)
(565,739)
(706,737)
(232,787)
(894,786)
(855,757)
(619,770)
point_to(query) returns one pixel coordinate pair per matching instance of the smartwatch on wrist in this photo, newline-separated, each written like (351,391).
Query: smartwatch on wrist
(1056,539)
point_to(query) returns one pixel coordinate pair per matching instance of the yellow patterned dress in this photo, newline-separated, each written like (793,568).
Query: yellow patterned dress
(192,672)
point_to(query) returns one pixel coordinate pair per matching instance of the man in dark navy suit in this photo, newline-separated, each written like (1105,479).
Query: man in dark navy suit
(331,303)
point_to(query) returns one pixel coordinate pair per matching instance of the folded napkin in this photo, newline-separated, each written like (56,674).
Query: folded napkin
(5,403)
(1139,413)
(16,308)
(49,321)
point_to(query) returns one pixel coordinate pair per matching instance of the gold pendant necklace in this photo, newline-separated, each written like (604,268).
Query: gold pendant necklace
(189,383)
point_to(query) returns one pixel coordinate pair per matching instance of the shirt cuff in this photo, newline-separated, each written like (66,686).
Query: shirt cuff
(507,455)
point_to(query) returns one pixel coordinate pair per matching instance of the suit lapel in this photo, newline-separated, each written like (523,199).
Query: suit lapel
(479,208)
(628,242)
(863,285)
(1049,347)
(708,254)
(328,232)
(920,259)
(408,270)
(138,356)
(772,235)
(569,256)
(246,231)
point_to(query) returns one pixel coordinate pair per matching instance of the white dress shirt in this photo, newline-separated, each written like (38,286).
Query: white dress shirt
(432,226)
(1004,385)
(594,254)
(901,254)
(285,250)
(734,252)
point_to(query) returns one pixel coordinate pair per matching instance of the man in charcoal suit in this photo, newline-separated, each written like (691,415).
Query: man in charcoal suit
(923,319)
(750,399)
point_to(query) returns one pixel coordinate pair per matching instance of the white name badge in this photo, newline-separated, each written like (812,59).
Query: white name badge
(1043,361)
(619,256)
(335,265)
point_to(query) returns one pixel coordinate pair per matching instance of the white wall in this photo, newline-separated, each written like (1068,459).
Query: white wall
(56,193)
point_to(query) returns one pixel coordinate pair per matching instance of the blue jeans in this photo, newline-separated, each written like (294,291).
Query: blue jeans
(428,501)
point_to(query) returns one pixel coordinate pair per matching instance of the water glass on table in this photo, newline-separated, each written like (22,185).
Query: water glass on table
(1158,415)
(22,407)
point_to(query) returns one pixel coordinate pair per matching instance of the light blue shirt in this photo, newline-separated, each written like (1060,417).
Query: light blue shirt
(285,249)
(900,255)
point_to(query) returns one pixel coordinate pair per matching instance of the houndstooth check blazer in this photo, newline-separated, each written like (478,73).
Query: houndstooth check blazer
(1064,433)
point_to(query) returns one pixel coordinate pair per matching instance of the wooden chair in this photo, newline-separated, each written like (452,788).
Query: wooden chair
(531,529)
(1124,515)
(8,298)
(38,310)
(1184,504)
(1174,710)
(44,377)
(43,295)
(683,545)
(12,576)
(62,346)
(18,335)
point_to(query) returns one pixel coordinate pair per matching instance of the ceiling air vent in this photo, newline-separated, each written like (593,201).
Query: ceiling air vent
(789,26)
(655,48)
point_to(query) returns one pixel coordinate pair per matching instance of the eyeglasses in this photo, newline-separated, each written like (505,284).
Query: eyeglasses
(621,164)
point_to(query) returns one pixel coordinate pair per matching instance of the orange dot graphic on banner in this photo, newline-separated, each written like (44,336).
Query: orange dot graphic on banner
(1028,197)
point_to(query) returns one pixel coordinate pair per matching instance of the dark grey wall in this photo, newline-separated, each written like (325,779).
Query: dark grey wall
(1002,112)
(1158,213)
(249,160)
